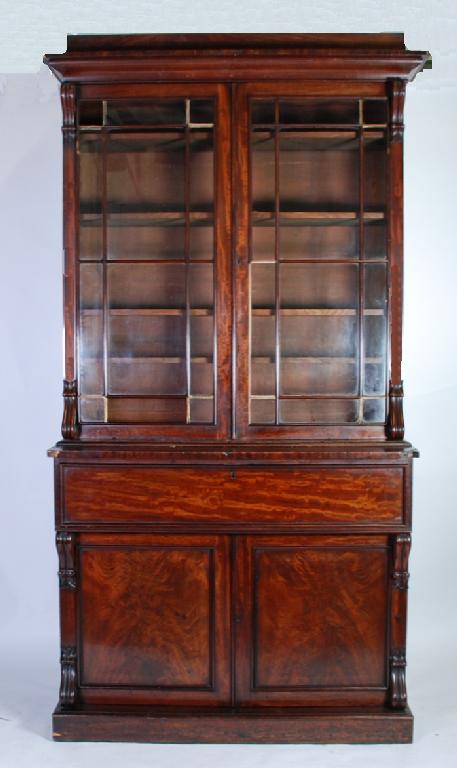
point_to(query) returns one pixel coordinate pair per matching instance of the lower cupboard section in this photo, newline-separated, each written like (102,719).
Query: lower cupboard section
(246,621)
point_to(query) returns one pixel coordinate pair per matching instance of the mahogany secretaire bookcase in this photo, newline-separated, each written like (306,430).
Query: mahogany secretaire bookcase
(233,490)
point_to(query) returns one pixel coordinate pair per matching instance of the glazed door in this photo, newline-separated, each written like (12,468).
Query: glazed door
(154,619)
(311,246)
(153,266)
(312,620)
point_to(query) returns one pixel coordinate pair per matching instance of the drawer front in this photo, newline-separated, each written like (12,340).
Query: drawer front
(358,495)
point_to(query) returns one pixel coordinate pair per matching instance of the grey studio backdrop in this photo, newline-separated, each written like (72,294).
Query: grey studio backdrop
(31,366)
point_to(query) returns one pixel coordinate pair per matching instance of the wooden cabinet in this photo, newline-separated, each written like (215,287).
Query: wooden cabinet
(233,488)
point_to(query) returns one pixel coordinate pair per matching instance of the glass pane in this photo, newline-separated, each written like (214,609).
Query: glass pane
(306,217)
(318,180)
(147,410)
(375,111)
(375,338)
(146,286)
(147,376)
(90,113)
(327,411)
(201,241)
(159,111)
(375,236)
(201,171)
(262,411)
(375,182)
(263,243)
(90,197)
(92,409)
(201,411)
(375,287)
(147,197)
(140,237)
(318,111)
(263,172)
(374,411)
(263,111)
(319,242)
(323,286)
(263,286)
(319,336)
(201,111)
(146,174)
(327,376)
(201,298)
(90,342)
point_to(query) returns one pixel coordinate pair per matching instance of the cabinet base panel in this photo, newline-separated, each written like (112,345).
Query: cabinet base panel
(238,726)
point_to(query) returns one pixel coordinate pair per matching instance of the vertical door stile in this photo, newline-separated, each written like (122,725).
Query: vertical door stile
(186,257)
(361,275)
(105,311)
(277,268)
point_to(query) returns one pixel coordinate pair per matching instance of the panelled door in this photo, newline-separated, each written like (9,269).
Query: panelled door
(155,619)
(292,649)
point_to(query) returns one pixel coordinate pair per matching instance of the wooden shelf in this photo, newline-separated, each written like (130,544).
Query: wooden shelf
(153,359)
(305,358)
(303,139)
(304,312)
(150,312)
(306,218)
(147,218)
(318,397)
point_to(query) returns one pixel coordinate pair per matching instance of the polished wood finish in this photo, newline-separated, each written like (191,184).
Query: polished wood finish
(155,619)
(289,649)
(233,490)
(289,725)
(114,494)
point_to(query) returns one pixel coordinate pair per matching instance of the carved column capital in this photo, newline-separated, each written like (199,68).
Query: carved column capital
(66,550)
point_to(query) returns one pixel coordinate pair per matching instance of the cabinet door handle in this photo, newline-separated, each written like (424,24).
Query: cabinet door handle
(233,474)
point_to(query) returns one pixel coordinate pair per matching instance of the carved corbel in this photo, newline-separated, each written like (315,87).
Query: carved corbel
(395,421)
(397,104)
(68,686)
(66,549)
(70,425)
(68,100)
(397,661)
(397,689)
(400,574)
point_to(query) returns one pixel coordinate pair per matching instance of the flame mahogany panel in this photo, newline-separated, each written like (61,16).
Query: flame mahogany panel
(290,650)
(349,494)
(154,618)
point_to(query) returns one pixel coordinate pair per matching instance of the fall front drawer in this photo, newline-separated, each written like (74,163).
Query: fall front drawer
(114,494)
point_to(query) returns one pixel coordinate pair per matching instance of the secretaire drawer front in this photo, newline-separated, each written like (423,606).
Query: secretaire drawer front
(354,495)
(119,493)
(357,495)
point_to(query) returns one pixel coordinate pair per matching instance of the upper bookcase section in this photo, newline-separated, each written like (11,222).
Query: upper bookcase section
(235,57)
